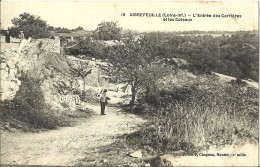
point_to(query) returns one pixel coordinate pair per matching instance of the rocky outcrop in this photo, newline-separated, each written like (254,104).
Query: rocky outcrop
(96,78)
(12,66)
(41,61)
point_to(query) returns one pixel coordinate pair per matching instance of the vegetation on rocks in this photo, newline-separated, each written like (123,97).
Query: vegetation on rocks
(29,106)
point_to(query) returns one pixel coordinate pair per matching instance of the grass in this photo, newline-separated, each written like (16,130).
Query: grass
(200,113)
(28,108)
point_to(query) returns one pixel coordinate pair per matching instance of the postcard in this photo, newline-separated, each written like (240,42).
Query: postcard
(129,83)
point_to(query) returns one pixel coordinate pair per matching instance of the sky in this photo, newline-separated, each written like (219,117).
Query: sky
(71,14)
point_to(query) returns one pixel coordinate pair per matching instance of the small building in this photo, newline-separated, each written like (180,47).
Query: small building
(73,36)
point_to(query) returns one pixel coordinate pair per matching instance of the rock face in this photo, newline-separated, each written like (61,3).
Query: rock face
(41,61)
(12,65)
(96,78)
(56,74)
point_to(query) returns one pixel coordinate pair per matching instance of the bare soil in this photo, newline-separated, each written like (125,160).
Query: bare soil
(68,145)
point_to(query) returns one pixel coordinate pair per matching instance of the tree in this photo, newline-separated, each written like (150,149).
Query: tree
(32,26)
(62,30)
(89,48)
(82,70)
(151,73)
(78,28)
(50,28)
(107,31)
(14,32)
(134,63)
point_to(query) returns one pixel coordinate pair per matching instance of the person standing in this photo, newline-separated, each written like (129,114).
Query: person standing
(7,37)
(21,36)
(103,100)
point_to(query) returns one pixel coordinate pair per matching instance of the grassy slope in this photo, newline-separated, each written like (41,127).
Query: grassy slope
(198,111)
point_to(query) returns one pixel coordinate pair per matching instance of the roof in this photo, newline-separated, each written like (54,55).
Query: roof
(73,34)
(111,42)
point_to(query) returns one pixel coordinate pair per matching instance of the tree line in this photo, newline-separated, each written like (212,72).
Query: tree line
(33,26)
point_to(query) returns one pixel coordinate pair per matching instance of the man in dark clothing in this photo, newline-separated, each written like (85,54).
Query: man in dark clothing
(7,37)
(103,99)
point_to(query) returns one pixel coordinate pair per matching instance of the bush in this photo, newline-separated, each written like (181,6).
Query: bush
(28,106)
(88,48)
(163,97)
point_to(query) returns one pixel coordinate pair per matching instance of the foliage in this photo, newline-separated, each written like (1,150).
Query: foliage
(244,52)
(28,106)
(78,28)
(235,56)
(88,48)
(14,32)
(82,71)
(62,30)
(197,115)
(134,62)
(107,31)
(129,60)
(32,26)
(51,28)
(150,74)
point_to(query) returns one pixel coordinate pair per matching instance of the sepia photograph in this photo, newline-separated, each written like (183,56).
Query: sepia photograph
(129,83)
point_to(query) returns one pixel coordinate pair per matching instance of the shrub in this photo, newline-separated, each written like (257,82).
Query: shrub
(28,106)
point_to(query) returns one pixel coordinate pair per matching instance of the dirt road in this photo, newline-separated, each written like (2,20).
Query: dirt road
(68,145)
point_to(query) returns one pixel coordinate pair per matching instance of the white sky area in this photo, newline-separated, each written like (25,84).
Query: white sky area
(71,14)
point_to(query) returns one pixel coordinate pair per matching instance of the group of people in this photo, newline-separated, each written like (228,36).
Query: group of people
(7,36)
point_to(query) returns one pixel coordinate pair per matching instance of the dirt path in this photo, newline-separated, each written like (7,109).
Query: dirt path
(68,145)
(227,78)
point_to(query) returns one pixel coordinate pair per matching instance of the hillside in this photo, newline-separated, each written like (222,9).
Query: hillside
(186,113)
